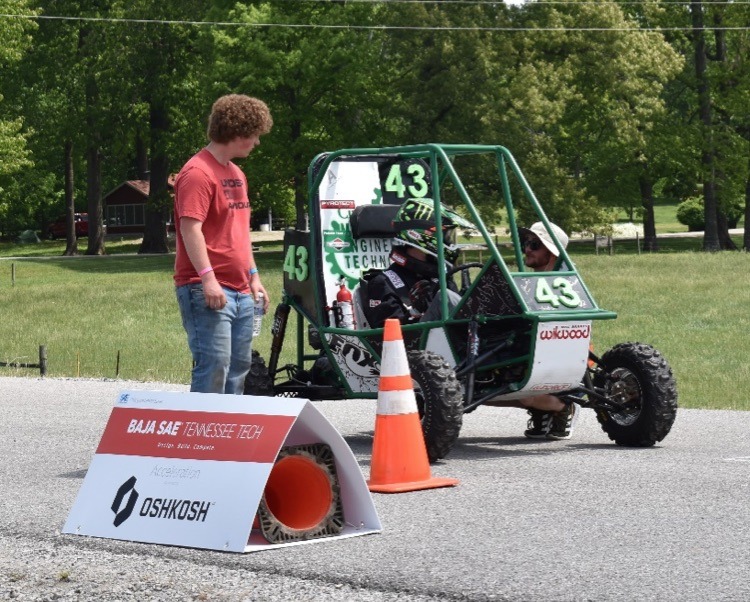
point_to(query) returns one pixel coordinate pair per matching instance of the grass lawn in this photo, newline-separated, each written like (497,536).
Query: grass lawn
(86,310)
(687,305)
(666,219)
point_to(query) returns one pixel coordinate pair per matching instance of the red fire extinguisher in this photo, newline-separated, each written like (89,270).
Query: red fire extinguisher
(344,307)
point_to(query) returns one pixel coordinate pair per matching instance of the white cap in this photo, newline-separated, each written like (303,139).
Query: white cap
(538,230)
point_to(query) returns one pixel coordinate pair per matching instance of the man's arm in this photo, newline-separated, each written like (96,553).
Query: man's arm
(195,244)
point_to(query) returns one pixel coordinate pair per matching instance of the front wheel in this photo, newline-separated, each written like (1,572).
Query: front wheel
(638,379)
(439,401)
(258,381)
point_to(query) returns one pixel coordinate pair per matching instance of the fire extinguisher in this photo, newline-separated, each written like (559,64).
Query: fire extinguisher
(344,305)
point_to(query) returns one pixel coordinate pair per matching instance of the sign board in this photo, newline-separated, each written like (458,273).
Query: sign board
(189,469)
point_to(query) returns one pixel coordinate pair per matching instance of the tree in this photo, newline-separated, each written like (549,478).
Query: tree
(711,233)
(582,108)
(318,84)
(15,38)
(68,96)
(160,83)
(714,73)
(732,113)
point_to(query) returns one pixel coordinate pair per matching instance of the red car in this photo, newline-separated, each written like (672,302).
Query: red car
(57,228)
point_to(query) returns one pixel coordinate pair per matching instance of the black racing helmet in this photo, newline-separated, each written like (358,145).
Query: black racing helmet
(415,226)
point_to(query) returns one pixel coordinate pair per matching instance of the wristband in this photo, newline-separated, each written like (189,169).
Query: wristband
(205,271)
(253,271)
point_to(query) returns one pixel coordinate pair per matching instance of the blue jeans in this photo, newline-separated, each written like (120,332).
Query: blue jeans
(219,339)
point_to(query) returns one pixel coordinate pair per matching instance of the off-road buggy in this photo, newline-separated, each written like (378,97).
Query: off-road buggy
(513,334)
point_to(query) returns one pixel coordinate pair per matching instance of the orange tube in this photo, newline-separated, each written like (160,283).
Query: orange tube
(298,493)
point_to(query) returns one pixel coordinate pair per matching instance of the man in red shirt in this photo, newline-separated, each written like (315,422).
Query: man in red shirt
(215,273)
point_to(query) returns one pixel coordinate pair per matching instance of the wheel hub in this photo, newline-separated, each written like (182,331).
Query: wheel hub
(625,391)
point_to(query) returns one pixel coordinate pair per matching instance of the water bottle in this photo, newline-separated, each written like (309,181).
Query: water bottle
(258,311)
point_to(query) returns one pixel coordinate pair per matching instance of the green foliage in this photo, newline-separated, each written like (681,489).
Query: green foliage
(14,156)
(15,33)
(15,38)
(314,81)
(690,213)
(595,118)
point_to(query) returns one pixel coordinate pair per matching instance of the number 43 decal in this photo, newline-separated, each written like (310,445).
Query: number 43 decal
(395,183)
(295,263)
(561,291)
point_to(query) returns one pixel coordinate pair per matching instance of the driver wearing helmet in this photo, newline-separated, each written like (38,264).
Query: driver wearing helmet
(406,288)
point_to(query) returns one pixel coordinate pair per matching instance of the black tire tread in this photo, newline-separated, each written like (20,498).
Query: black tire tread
(658,399)
(258,381)
(442,402)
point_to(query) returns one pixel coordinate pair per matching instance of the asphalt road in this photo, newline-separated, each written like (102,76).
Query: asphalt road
(570,520)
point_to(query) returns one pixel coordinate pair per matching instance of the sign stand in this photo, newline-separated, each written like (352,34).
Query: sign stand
(190,469)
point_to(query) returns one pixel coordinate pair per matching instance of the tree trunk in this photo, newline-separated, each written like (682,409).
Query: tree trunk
(157,209)
(650,242)
(725,240)
(141,158)
(722,203)
(746,236)
(93,169)
(71,247)
(157,206)
(711,234)
(94,197)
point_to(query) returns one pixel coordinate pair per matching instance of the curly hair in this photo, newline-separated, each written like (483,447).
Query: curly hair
(238,116)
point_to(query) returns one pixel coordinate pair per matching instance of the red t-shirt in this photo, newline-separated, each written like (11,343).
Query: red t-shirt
(216,195)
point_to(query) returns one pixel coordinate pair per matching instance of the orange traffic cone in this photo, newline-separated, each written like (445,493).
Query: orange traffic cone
(399,456)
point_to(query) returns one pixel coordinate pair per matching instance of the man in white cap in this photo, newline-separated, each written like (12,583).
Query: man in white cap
(540,251)
(550,417)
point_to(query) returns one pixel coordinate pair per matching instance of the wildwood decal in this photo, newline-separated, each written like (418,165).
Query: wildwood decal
(576,331)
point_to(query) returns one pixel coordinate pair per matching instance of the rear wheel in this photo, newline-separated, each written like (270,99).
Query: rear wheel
(639,379)
(439,401)
(258,381)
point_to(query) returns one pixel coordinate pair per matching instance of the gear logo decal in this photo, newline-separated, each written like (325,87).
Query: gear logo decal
(339,250)
(123,513)
(347,258)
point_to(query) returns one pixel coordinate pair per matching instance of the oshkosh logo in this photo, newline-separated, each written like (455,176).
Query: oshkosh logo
(173,509)
(121,515)
(156,507)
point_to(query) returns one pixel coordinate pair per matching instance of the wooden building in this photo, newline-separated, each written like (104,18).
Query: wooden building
(125,206)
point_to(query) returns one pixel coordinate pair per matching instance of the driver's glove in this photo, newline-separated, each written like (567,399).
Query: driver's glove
(421,295)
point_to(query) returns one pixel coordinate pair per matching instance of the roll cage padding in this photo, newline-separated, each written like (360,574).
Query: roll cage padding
(373,221)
